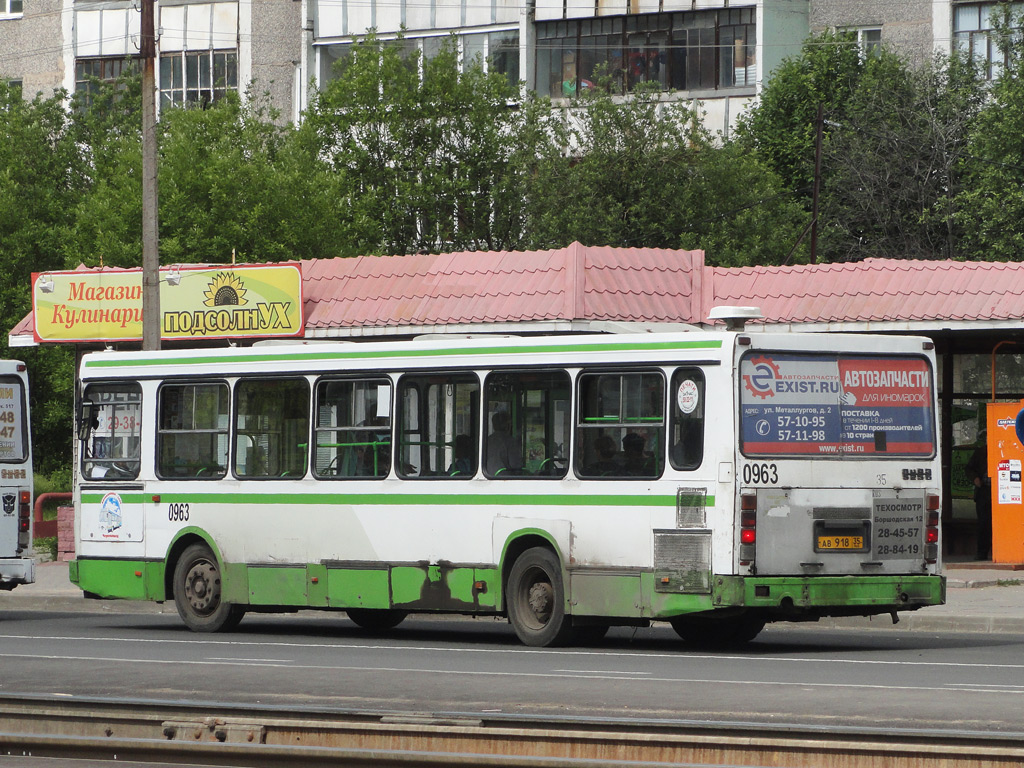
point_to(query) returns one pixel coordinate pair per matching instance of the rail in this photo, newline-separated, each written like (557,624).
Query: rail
(42,528)
(233,735)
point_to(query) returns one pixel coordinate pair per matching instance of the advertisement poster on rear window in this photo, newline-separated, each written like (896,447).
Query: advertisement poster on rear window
(12,421)
(795,404)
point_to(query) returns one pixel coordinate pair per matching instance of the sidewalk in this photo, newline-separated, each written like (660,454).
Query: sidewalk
(980,598)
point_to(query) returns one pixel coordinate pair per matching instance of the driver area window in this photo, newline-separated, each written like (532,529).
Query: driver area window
(112,442)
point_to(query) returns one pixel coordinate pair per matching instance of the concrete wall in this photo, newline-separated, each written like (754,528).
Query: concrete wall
(906,24)
(277,40)
(31,50)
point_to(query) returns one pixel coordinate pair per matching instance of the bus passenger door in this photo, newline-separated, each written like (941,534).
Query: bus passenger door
(111,492)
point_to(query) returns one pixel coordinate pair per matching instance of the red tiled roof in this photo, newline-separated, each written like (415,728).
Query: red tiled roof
(876,290)
(581,284)
(573,283)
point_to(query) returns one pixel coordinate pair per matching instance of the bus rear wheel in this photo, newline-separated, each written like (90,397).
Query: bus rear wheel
(197,592)
(376,620)
(718,633)
(536,599)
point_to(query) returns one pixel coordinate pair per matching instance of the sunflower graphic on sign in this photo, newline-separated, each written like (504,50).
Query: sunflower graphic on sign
(225,290)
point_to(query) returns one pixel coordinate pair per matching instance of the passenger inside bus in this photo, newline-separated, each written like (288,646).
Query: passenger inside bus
(463,463)
(604,446)
(375,459)
(636,461)
(504,454)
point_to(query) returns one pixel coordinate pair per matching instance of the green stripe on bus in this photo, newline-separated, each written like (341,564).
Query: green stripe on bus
(418,499)
(271,357)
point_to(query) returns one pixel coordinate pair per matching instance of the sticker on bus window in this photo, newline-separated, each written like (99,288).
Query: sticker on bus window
(836,405)
(687,396)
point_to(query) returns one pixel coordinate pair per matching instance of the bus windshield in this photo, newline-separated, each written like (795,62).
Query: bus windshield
(830,404)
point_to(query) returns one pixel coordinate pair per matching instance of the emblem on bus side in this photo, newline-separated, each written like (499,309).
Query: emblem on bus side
(111,515)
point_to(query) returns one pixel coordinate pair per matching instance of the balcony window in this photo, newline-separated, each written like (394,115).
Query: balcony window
(974,33)
(197,77)
(702,50)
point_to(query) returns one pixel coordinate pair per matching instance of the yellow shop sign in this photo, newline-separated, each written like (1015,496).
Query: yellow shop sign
(196,302)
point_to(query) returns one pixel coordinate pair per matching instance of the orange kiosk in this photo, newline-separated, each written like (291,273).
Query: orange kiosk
(1005,458)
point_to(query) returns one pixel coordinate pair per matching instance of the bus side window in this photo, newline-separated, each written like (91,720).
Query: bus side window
(527,418)
(620,428)
(112,436)
(192,436)
(271,427)
(687,425)
(353,428)
(438,424)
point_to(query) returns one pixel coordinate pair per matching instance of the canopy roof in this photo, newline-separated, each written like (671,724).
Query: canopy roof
(591,288)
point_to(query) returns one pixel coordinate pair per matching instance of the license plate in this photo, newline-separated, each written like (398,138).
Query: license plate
(840,542)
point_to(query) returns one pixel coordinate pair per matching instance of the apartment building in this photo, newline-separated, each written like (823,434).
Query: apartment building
(204,48)
(918,29)
(714,53)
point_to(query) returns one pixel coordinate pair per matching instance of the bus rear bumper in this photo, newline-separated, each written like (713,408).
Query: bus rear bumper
(813,597)
(16,570)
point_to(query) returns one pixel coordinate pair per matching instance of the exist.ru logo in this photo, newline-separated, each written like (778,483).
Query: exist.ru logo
(761,382)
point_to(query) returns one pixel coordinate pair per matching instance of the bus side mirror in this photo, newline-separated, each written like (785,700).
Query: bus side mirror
(87,419)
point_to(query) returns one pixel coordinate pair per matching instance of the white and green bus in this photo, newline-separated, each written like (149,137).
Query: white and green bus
(715,481)
(16,563)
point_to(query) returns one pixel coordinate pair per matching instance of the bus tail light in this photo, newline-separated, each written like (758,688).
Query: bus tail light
(24,519)
(931,529)
(748,527)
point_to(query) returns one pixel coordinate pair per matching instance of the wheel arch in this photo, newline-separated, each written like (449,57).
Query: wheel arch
(185,538)
(519,542)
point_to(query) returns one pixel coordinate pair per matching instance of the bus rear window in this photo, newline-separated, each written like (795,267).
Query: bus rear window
(13,432)
(829,404)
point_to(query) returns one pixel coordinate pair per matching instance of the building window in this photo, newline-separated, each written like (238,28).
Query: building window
(197,77)
(974,33)
(499,52)
(91,74)
(869,40)
(702,50)
(10,8)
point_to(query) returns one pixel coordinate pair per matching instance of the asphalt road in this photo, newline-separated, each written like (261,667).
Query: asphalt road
(790,674)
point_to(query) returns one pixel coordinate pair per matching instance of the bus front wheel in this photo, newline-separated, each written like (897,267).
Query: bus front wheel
(197,592)
(536,599)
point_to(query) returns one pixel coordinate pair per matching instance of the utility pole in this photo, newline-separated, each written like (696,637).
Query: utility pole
(150,236)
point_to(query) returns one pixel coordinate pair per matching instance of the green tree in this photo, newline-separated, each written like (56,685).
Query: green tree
(892,165)
(643,172)
(108,218)
(234,182)
(424,162)
(893,139)
(782,127)
(42,178)
(990,207)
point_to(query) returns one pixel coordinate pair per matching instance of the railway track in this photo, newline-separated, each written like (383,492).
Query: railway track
(231,735)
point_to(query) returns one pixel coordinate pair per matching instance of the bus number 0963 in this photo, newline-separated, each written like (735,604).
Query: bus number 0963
(177,512)
(766,474)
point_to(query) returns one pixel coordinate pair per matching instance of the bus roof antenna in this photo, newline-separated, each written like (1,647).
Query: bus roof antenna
(735,318)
